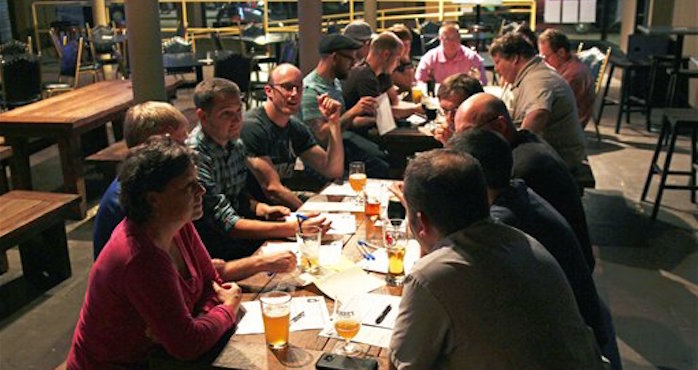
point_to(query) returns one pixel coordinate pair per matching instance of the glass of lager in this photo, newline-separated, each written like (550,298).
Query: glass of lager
(276,309)
(347,322)
(309,244)
(395,242)
(357,178)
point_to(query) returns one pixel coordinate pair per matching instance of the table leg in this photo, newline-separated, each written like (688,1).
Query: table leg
(19,162)
(73,171)
(45,259)
(674,79)
(199,73)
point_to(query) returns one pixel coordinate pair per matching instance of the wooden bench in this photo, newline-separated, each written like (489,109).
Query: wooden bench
(5,154)
(36,222)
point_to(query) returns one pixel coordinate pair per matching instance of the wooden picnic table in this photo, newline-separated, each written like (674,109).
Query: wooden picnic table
(64,118)
(305,347)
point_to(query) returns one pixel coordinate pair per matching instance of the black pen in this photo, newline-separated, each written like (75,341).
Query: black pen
(298,317)
(383,314)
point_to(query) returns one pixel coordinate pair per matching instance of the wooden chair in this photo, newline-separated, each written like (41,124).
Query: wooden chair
(72,67)
(597,62)
(57,42)
(238,68)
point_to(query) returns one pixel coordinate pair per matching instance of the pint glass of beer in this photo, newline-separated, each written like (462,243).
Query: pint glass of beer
(309,244)
(395,242)
(276,309)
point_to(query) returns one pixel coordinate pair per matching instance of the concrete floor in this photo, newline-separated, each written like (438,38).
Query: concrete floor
(646,271)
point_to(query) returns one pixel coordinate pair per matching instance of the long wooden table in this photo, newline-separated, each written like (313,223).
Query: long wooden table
(251,352)
(64,118)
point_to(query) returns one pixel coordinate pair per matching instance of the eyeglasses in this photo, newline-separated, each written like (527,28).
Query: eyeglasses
(287,87)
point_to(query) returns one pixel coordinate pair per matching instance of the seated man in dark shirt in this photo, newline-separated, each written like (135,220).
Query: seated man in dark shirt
(274,139)
(513,203)
(535,162)
(372,78)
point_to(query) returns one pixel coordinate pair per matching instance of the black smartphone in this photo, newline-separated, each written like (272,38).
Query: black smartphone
(330,361)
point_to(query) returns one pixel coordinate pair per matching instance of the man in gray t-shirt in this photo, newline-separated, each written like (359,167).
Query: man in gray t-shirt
(543,101)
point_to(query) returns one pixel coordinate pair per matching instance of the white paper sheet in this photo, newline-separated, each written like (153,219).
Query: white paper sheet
(349,206)
(371,335)
(552,13)
(384,115)
(348,283)
(339,190)
(315,315)
(587,11)
(570,11)
(373,306)
(416,120)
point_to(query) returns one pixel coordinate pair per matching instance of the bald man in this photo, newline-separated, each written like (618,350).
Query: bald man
(536,162)
(274,139)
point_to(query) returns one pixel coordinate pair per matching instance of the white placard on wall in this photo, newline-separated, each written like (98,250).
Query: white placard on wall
(552,11)
(570,11)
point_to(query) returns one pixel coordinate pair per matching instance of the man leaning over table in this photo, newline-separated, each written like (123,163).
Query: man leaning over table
(449,58)
(234,223)
(157,118)
(274,139)
(543,101)
(452,92)
(484,295)
(336,58)
(534,161)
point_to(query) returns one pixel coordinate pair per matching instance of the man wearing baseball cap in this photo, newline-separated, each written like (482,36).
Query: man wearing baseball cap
(360,31)
(337,55)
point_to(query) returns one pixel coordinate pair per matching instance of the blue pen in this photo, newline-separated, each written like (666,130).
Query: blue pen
(301,218)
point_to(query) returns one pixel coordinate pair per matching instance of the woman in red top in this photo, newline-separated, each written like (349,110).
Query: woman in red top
(155,284)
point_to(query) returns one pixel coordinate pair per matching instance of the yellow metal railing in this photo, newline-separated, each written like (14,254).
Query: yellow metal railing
(435,10)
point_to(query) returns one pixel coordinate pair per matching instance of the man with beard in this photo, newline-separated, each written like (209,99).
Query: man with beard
(337,55)
(273,139)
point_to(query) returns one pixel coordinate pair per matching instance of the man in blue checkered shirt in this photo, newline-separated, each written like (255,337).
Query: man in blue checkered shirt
(234,223)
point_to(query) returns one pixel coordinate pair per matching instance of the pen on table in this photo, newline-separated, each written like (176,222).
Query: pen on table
(298,317)
(367,244)
(300,219)
(383,314)
(364,252)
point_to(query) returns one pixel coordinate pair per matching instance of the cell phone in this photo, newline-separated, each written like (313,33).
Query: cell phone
(330,361)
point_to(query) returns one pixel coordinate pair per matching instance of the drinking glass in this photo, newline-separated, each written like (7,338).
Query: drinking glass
(357,178)
(276,309)
(347,322)
(395,242)
(309,240)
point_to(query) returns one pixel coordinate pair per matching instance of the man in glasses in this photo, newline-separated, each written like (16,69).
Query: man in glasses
(274,139)
(452,92)
(449,58)
(554,47)
(337,53)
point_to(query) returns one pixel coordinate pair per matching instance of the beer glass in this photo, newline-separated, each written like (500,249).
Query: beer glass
(395,242)
(372,203)
(347,322)
(417,94)
(309,240)
(276,309)
(357,178)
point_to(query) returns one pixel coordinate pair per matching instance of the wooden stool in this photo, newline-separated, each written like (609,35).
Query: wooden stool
(674,121)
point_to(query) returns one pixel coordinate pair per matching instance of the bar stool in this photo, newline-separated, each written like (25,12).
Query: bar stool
(674,121)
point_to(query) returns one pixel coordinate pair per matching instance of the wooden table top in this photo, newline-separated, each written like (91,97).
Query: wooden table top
(77,107)
(74,107)
(305,347)
(20,209)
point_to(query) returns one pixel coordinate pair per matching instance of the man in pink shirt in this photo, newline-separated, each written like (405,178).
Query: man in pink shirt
(554,46)
(450,58)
